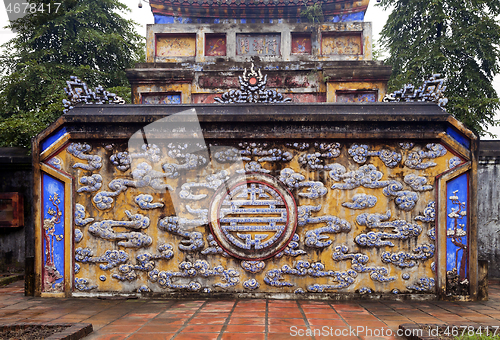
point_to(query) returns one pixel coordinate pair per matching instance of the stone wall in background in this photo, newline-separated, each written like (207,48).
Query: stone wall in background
(489,205)
(16,176)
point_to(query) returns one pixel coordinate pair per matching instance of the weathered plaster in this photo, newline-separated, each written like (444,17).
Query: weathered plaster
(232,30)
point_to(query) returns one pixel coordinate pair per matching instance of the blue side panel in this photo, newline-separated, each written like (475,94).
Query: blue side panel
(53,234)
(457,229)
(52,138)
(458,137)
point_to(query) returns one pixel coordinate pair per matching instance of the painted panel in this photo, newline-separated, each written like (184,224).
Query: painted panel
(165,98)
(341,44)
(146,215)
(215,44)
(52,138)
(175,45)
(457,226)
(301,43)
(356,97)
(459,137)
(53,234)
(258,44)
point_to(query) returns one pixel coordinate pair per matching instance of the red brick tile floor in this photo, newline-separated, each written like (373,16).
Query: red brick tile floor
(243,319)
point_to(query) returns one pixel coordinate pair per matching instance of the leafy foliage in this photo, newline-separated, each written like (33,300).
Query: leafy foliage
(85,38)
(457,38)
(313,13)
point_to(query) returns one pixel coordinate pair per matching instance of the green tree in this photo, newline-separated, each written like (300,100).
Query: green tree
(457,38)
(313,13)
(85,38)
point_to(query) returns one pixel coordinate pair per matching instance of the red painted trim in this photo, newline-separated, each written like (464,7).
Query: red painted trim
(61,149)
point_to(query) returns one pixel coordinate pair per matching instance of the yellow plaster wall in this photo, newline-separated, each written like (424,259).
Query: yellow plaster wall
(331,204)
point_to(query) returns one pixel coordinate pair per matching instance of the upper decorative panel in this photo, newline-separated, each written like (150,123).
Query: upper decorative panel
(176,45)
(350,44)
(258,44)
(356,96)
(301,43)
(215,45)
(161,98)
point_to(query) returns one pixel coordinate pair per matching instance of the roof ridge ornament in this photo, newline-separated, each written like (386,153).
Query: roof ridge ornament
(432,90)
(252,90)
(78,92)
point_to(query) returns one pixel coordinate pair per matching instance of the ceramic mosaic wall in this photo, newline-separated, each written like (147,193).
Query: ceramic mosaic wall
(164,98)
(252,216)
(359,97)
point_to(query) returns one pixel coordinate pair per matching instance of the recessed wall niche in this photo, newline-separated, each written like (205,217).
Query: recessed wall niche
(268,44)
(301,43)
(215,45)
(341,43)
(175,45)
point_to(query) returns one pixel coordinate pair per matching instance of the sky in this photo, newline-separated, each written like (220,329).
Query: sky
(143,16)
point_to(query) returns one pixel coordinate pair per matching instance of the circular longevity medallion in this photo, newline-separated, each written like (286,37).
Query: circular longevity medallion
(253,216)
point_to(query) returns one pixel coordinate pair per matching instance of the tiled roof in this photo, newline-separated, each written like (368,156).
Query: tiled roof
(259,9)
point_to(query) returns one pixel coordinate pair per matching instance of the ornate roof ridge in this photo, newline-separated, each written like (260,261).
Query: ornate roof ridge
(78,92)
(432,90)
